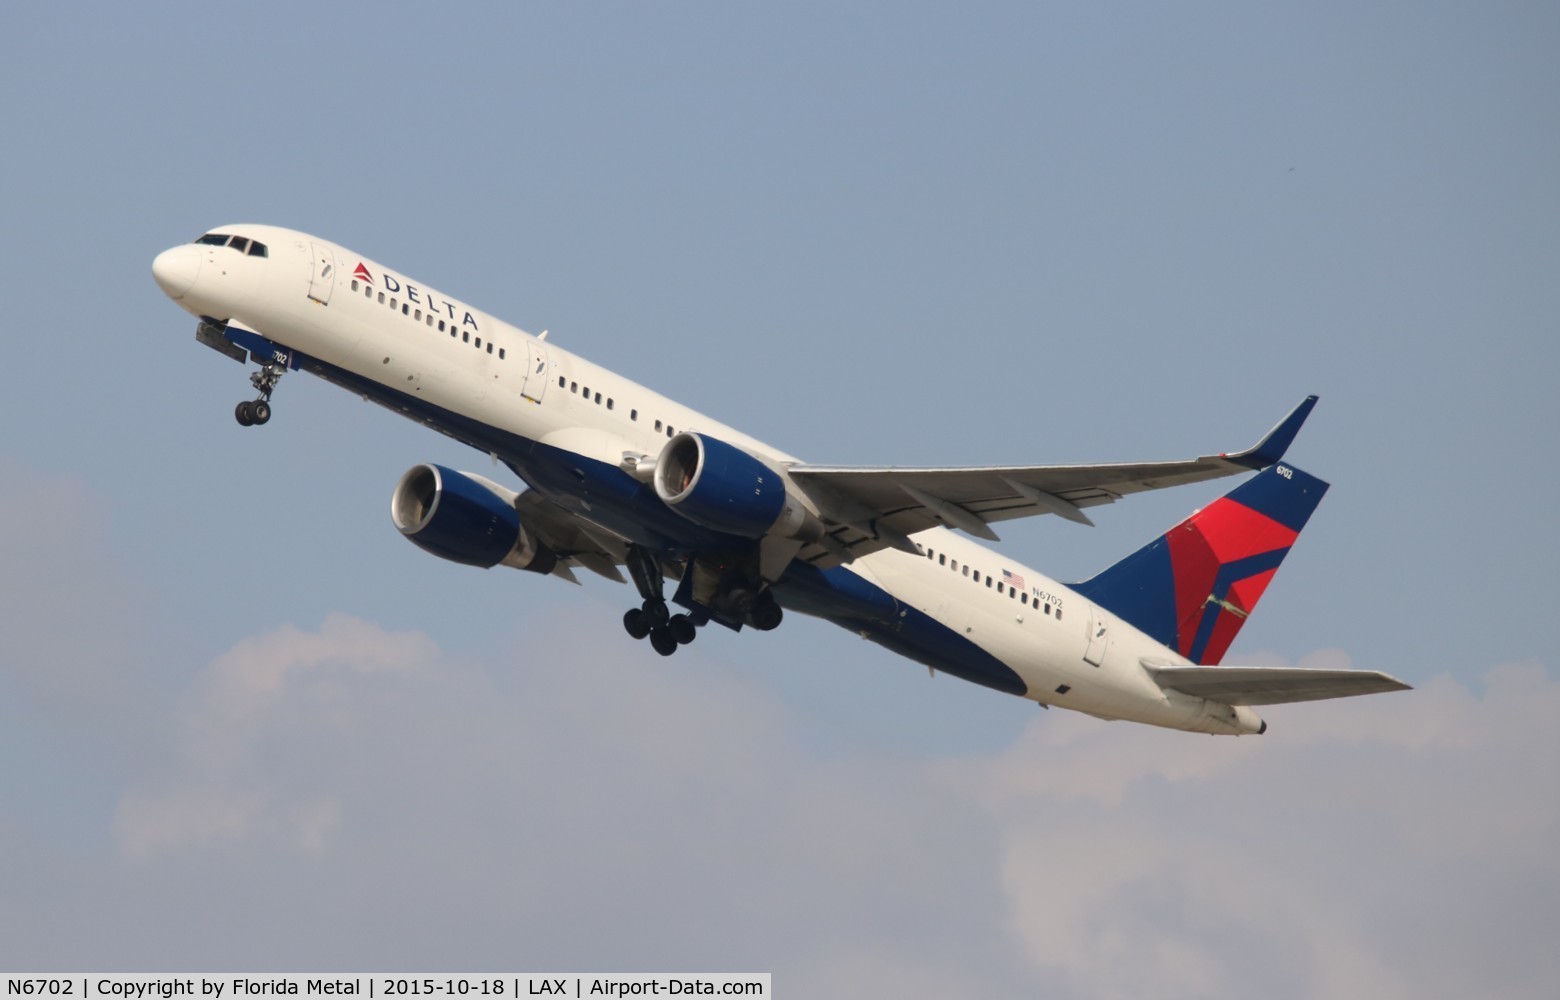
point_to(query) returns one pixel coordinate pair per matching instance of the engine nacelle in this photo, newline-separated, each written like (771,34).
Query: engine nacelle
(465,519)
(721,487)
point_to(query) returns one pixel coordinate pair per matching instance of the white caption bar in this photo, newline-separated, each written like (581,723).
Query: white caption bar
(366,986)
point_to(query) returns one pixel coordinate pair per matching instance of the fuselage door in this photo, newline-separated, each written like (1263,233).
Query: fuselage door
(536,370)
(1099,637)
(322,273)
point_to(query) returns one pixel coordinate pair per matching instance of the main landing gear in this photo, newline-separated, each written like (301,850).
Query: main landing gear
(653,618)
(253,412)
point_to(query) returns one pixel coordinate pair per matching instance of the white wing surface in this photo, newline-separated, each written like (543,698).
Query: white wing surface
(872,508)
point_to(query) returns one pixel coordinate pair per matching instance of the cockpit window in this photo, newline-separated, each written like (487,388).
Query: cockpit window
(242,244)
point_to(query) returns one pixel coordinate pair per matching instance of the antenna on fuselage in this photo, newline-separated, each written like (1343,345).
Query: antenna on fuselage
(542,335)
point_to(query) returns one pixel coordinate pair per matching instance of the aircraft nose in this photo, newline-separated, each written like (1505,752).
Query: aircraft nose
(175,270)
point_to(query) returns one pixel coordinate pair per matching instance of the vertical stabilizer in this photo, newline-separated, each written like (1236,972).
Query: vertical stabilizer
(1193,587)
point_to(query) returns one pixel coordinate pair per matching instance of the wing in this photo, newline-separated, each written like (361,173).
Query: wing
(875,508)
(1272,685)
(575,541)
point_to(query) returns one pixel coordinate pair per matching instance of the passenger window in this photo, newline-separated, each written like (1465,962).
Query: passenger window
(574,387)
(441,326)
(633,414)
(406,310)
(598,399)
(988,580)
(609,402)
(1024,600)
(465,336)
(381,298)
(669,431)
(490,347)
(479,343)
(1047,609)
(368,290)
(500,354)
(966,569)
(977,577)
(658,426)
(418,316)
(354,284)
(942,560)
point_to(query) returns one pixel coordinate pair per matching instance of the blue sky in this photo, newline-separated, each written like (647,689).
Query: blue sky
(245,725)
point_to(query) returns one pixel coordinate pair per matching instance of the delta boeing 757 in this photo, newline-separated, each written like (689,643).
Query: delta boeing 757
(735,532)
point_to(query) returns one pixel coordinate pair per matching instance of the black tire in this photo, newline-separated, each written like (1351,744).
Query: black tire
(682,629)
(661,640)
(767,616)
(656,612)
(741,601)
(243,414)
(634,623)
(260,411)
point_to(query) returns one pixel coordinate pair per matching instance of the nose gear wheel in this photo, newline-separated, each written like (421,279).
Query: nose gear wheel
(254,412)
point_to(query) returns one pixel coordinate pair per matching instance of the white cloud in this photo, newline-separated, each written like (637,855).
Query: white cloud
(1314,861)
(363,798)
(218,788)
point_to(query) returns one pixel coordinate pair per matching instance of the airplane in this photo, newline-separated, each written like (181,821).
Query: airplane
(618,477)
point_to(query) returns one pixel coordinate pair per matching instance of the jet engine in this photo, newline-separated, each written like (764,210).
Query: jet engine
(721,487)
(466,519)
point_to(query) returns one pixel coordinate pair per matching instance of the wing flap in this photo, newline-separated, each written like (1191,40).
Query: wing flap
(1271,685)
(572,539)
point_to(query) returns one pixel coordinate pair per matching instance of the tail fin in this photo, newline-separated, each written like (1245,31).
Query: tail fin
(1193,587)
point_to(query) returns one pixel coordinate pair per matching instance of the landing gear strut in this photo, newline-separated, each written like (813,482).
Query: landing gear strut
(253,412)
(653,618)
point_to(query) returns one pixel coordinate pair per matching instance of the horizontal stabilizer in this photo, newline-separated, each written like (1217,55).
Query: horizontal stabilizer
(1271,685)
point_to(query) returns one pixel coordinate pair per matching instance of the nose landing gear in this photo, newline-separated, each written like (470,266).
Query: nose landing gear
(253,412)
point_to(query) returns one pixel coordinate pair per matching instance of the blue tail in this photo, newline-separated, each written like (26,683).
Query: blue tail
(1193,587)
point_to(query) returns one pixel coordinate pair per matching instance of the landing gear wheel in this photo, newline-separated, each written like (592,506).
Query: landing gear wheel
(253,412)
(656,612)
(635,623)
(661,640)
(681,629)
(766,616)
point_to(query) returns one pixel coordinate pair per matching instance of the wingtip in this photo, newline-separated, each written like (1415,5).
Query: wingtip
(1277,441)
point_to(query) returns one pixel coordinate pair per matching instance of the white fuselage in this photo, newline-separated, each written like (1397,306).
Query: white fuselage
(349,312)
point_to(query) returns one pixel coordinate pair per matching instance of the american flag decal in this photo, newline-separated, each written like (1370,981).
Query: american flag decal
(1013,579)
